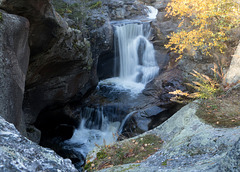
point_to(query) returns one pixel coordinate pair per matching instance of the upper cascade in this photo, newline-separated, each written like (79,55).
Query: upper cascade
(152,12)
(135,55)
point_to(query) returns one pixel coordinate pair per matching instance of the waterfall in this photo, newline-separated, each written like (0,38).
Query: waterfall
(94,129)
(97,127)
(135,52)
(134,56)
(124,122)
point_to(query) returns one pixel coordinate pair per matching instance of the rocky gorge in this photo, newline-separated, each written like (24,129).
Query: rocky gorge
(52,61)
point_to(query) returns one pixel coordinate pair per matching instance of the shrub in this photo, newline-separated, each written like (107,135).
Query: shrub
(204,87)
(204,25)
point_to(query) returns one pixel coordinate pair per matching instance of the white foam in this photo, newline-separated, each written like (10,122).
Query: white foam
(152,12)
(128,85)
(89,138)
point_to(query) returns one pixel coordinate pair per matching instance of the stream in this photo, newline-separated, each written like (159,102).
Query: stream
(135,66)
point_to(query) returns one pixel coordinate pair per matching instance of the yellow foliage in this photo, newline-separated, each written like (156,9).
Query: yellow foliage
(206,24)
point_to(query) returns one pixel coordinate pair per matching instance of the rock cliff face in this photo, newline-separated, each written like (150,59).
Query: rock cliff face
(14,57)
(61,65)
(19,154)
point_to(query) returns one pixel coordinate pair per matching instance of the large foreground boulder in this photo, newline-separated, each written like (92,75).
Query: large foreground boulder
(19,154)
(14,57)
(191,145)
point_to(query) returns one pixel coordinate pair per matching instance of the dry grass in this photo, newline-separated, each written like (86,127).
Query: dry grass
(131,151)
(222,111)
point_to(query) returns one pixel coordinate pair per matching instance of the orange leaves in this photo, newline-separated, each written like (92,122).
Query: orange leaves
(204,24)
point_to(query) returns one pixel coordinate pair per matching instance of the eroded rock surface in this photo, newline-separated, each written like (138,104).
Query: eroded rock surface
(191,145)
(19,154)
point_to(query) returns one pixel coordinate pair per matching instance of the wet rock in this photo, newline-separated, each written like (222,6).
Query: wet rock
(70,151)
(58,121)
(14,59)
(145,120)
(19,154)
(106,63)
(126,9)
(33,134)
(153,111)
(166,82)
(101,35)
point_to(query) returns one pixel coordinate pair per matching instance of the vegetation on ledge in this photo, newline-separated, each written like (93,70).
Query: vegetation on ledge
(131,151)
(220,105)
(222,111)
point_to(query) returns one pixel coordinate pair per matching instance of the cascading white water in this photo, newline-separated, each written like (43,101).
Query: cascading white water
(95,128)
(136,53)
(136,57)
(152,12)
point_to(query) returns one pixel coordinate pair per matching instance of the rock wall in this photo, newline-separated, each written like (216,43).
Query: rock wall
(61,65)
(14,58)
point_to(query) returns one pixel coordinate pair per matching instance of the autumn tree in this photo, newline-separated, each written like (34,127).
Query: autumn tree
(205,24)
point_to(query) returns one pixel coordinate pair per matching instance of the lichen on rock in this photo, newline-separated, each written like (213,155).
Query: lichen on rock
(191,145)
(19,154)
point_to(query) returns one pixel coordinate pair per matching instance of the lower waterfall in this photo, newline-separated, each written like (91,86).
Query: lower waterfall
(94,129)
